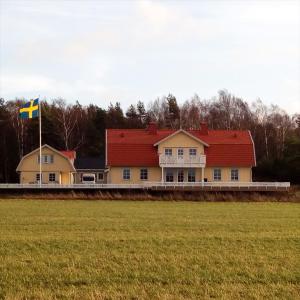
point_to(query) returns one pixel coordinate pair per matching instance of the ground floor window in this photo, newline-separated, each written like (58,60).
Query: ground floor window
(144,174)
(51,177)
(169,176)
(191,175)
(234,174)
(126,174)
(37,177)
(100,176)
(217,174)
(180,176)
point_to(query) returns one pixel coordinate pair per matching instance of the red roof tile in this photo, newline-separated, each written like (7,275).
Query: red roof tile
(69,153)
(135,147)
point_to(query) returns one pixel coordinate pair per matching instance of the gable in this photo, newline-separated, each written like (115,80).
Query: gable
(179,133)
(29,162)
(181,139)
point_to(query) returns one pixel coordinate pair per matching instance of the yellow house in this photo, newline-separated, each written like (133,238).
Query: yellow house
(152,155)
(57,166)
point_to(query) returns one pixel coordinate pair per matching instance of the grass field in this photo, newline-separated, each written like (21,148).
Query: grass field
(149,250)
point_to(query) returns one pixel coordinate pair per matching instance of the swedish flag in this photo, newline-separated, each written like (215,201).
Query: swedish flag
(30,109)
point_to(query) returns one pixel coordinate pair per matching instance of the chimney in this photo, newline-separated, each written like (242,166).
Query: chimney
(152,128)
(203,128)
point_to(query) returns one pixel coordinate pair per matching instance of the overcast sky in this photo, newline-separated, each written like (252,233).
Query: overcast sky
(106,51)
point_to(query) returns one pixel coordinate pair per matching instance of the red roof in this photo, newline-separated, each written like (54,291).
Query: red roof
(135,147)
(69,153)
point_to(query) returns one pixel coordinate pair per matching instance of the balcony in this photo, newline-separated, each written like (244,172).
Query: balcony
(193,161)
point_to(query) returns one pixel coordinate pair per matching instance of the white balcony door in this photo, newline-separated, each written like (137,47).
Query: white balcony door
(180,155)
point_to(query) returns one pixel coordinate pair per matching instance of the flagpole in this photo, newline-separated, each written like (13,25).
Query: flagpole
(40,129)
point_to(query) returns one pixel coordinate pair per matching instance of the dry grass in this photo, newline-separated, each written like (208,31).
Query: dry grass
(292,196)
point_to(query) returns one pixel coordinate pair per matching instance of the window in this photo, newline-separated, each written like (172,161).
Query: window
(217,174)
(126,174)
(46,159)
(180,152)
(180,176)
(193,152)
(168,152)
(234,174)
(100,176)
(144,174)
(191,175)
(37,176)
(51,177)
(169,176)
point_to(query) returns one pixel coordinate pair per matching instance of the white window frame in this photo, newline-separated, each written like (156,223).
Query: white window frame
(191,175)
(193,152)
(169,175)
(143,174)
(236,176)
(181,152)
(126,174)
(215,177)
(37,177)
(168,152)
(50,177)
(46,159)
(180,174)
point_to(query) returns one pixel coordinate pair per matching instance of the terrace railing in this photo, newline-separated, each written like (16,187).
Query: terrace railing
(196,161)
(148,185)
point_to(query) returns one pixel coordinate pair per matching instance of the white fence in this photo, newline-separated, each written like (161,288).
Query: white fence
(155,185)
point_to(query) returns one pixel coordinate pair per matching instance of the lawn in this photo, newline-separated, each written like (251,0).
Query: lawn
(149,250)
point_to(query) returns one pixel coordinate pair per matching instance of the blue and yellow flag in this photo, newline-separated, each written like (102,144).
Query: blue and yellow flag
(30,109)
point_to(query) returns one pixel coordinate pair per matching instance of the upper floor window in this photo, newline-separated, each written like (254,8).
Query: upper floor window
(180,152)
(168,152)
(144,174)
(46,159)
(234,174)
(126,174)
(193,152)
(217,174)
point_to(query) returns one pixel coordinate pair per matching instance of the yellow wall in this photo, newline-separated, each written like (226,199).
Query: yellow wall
(181,140)
(61,166)
(115,175)
(245,174)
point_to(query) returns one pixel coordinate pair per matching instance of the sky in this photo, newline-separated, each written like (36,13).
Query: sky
(107,51)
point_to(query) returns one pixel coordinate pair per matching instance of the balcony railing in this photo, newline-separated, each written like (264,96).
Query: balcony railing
(182,161)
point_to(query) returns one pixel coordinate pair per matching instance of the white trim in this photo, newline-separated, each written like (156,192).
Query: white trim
(253,148)
(44,146)
(129,169)
(238,174)
(213,174)
(185,132)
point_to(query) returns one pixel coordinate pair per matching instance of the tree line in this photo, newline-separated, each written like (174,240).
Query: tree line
(276,134)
